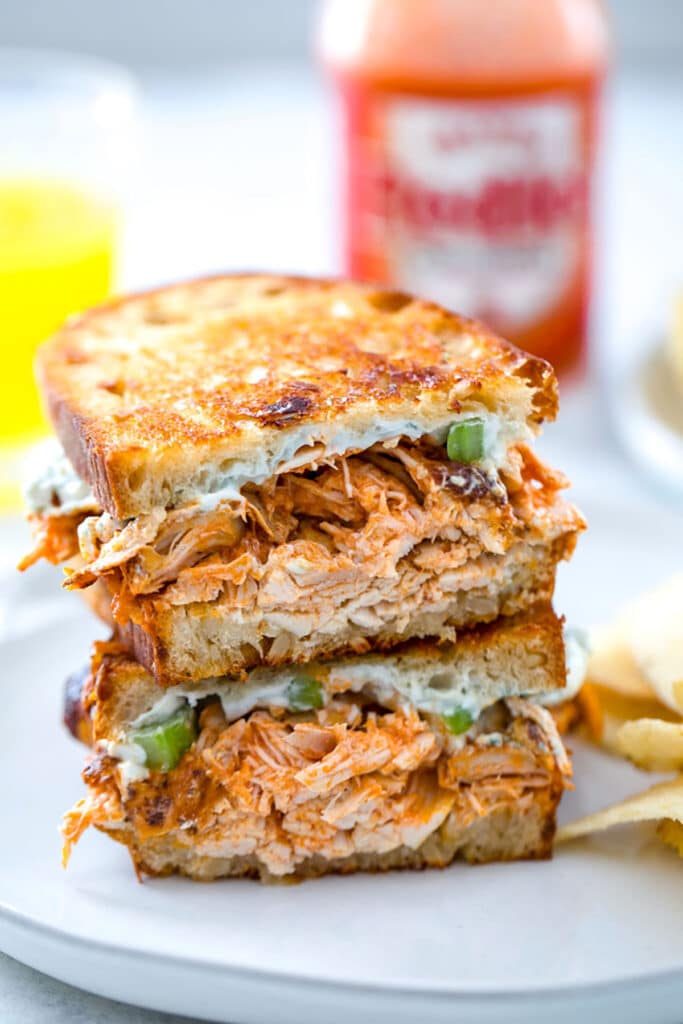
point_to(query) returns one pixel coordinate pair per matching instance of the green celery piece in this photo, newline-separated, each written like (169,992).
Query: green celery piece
(458,721)
(164,743)
(305,694)
(465,442)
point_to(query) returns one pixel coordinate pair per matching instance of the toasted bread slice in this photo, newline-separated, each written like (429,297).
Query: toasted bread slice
(520,655)
(173,395)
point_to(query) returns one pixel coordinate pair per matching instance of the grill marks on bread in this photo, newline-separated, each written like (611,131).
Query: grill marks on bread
(160,387)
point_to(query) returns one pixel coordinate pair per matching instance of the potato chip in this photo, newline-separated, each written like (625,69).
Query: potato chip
(635,696)
(605,712)
(672,834)
(657,640)
(590,711)
(664,800)
(642,652)
(653,745)
(613,667)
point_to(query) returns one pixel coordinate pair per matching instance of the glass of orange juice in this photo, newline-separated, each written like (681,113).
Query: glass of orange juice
(67,133)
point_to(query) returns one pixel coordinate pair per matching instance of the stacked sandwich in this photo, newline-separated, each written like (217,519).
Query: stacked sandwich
(310,512)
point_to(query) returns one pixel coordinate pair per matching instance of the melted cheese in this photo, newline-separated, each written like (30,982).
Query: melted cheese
(307,446)
(435,687)
(576,648)
(51,485)
(394,681)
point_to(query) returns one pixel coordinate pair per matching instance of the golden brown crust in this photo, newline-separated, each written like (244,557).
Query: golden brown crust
(527,649)
(148,392)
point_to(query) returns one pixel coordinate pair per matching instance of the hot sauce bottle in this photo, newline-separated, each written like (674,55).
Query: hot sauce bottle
(469,131)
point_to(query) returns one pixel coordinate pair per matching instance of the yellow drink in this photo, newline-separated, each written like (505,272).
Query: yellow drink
(56,257)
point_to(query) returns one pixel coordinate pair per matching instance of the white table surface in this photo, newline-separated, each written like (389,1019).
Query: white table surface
(235,173)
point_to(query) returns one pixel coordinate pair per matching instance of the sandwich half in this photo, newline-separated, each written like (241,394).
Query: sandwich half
(260,471)
(369,762)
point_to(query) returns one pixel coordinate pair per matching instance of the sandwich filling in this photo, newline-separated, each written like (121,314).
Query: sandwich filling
(331,784)
(359,756)
(355,547)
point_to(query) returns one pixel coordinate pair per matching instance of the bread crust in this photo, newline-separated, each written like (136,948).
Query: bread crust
(523,833)
(150,393)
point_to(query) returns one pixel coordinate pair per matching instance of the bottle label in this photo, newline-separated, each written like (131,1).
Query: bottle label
(481,204)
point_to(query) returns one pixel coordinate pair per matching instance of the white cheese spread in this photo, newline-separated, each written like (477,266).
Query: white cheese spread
(51,485)
(398,682)
(54,488)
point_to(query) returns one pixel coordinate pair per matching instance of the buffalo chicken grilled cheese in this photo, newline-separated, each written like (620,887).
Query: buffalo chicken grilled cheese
(298,504)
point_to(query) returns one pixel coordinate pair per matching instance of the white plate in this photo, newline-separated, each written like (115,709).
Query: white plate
(597,931)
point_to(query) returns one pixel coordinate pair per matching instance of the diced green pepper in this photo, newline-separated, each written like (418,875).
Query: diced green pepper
(458,721)
(165,742)
(305,694)
(465,442)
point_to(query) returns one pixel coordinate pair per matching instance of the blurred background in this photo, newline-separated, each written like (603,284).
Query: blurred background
(150,140)
(170,35)
(217,143)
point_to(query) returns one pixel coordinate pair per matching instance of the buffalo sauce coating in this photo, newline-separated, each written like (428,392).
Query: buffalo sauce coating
(343,781)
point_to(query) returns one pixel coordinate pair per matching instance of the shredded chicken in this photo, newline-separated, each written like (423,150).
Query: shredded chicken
(55,539)
(102,804)
(546,728)
(308,531)
(333,783)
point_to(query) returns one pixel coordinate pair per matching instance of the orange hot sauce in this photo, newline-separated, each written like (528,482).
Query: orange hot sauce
(469,146)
